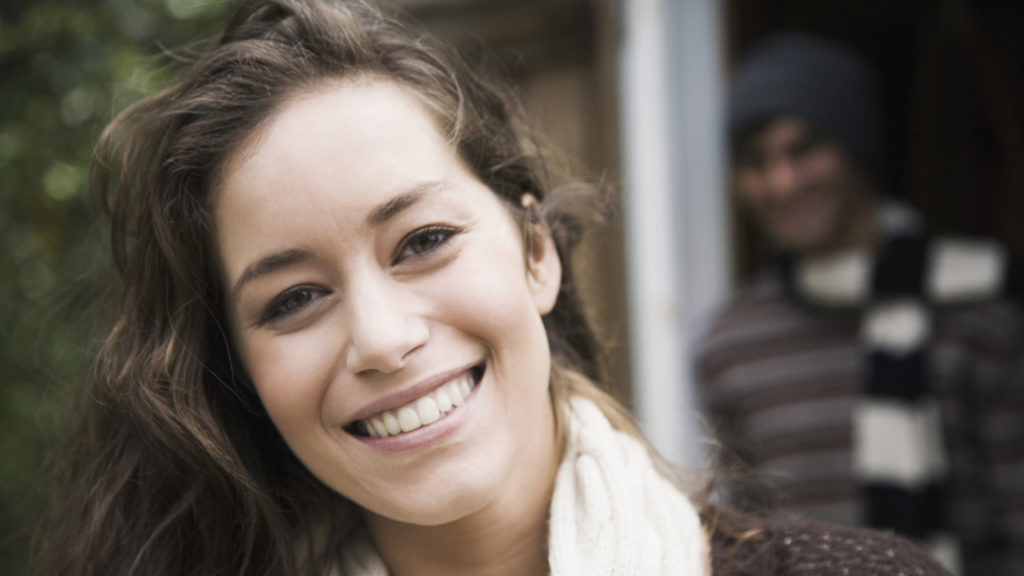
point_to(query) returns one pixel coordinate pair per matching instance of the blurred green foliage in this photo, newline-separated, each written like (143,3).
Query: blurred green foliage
(65,69)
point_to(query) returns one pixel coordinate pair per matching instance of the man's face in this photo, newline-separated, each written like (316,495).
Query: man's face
(798,185)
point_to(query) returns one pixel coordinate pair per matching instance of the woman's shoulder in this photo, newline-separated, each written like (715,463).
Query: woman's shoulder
(805,547)
(744,545)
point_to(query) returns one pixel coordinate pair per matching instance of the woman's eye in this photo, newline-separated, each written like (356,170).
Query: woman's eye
(423,241)
(289,303)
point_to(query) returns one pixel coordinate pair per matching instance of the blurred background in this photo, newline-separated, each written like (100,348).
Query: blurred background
(631,90)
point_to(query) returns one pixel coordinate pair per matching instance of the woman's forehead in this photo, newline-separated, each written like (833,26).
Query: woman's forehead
(327,161)
(356,136)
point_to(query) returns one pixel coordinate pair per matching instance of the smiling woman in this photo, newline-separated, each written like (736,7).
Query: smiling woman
(349,339)
(413,296)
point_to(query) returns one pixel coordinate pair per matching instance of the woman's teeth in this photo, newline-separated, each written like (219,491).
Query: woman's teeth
(420,412)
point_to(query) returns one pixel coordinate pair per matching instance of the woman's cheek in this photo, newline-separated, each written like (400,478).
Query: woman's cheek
(291,372)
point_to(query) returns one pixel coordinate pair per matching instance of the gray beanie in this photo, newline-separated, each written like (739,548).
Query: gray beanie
(825,83)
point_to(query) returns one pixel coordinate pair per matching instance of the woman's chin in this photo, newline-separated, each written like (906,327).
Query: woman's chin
(437,509)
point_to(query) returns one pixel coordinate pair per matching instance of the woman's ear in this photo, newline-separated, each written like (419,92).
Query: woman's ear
(543,266)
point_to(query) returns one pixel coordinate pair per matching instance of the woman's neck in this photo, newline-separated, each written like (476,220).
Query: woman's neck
(479,545)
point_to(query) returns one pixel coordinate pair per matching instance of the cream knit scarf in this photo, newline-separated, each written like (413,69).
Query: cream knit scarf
(612,513)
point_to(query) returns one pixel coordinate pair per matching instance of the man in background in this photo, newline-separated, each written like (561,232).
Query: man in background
(873,373)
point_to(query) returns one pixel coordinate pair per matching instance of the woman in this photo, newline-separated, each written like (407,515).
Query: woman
(349,342)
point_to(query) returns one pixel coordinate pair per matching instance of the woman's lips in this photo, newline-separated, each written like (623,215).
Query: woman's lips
(422,411)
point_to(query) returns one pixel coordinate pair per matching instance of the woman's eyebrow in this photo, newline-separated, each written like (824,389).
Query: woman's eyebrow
(377,217)
(269,264)
(394,206)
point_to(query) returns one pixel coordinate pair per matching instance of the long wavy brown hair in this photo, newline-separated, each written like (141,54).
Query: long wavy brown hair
(174,466)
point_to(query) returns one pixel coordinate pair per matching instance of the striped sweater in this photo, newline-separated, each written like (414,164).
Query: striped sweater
(779,384)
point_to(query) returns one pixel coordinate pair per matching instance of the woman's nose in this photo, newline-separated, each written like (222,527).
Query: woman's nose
(385,330)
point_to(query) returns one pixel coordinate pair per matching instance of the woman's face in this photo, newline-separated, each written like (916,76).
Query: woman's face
(381,302)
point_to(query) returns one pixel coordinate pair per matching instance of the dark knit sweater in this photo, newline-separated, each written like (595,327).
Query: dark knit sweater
(801,548)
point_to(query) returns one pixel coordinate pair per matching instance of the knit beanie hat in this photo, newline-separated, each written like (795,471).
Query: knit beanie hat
(822,82)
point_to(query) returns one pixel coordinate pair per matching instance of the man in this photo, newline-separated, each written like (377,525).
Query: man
(873,374)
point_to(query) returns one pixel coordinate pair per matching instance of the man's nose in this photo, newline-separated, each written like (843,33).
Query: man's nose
(781,177)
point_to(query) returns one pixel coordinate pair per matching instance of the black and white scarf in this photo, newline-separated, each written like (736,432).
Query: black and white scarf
(899,456)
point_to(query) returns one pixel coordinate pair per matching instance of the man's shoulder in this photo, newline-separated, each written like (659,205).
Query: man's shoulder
(751,299)
(994,325)
(761,287)
(759,310)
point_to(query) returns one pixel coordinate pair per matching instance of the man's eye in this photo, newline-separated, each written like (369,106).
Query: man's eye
(806,146)
(424,241)
(749,159)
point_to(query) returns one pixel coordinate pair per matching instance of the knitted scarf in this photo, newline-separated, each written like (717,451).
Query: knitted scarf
(612,513)
(899,456)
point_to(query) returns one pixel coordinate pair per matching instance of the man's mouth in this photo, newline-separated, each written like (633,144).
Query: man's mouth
(423,411)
